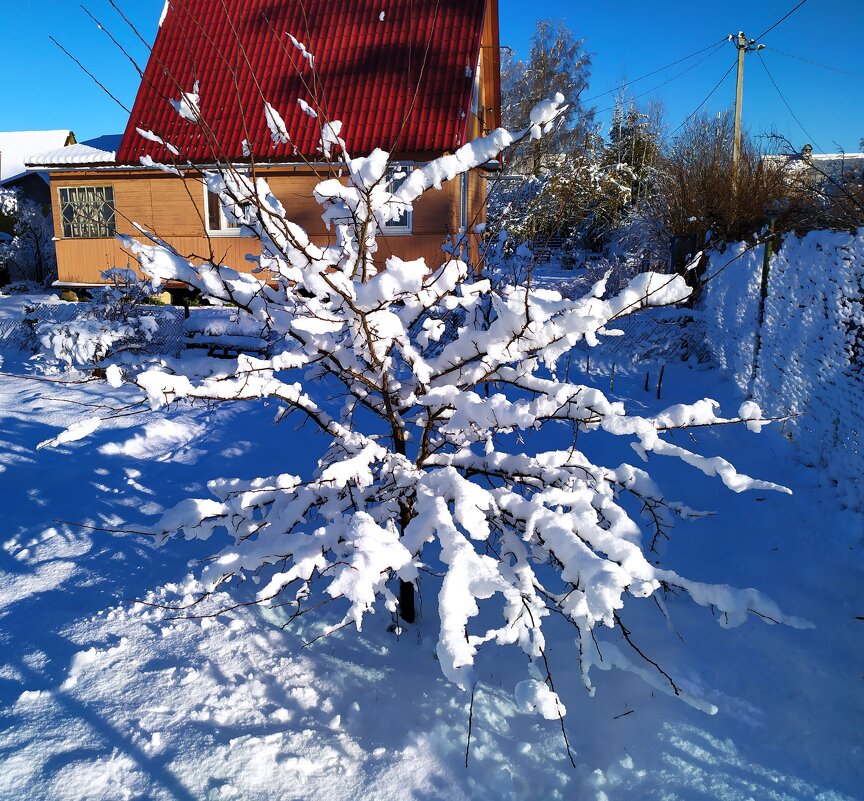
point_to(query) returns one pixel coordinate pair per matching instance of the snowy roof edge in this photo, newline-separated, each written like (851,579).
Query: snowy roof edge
(71,155)
(815,157)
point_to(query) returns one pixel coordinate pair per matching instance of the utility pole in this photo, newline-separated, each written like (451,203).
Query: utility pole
(744,46)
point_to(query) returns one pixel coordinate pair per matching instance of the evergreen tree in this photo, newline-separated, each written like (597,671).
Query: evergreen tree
(634,140)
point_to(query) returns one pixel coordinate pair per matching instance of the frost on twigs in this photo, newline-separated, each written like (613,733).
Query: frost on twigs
(430,385)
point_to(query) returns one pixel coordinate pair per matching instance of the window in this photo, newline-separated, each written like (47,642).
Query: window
(217,222)
(475,97)
(396,175)
(87,212)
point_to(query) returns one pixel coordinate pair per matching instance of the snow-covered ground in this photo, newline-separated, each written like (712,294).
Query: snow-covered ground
(104,695)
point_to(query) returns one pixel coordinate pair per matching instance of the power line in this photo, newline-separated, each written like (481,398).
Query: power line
(816,63)
(675,77)
(660,69)
(714,48)
(693,55)
(784,17)
(785,103)
(705,99)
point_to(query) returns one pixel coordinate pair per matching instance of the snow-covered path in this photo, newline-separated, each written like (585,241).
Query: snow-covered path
(105,698)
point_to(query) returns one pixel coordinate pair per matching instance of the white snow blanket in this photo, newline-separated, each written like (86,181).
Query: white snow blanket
(104,696)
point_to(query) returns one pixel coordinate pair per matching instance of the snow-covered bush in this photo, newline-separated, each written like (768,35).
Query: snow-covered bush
(695,194)
(110,325)
(432,387)
(569,208)
(89,340)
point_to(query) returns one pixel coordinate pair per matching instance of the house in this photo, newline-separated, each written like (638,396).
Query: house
(15,148)
(809,170)
(418,78)
(825,190)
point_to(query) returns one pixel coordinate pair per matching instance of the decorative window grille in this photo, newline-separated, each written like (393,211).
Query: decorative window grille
(87,212)
(396,175)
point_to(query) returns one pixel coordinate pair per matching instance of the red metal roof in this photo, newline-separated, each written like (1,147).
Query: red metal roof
(397,73)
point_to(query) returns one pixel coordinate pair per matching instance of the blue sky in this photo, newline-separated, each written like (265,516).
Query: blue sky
(627,38)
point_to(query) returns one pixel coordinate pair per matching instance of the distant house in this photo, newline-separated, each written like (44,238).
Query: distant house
(32,258)
(15,148)
(811,168)
(94,153)
(416,77)
(826,190)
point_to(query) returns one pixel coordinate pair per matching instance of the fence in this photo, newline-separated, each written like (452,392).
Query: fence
(19,333)
(215,329)
(807,356)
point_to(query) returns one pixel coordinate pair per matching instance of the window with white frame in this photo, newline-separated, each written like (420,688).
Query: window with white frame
(475,97)
(217,221)
(87,212)
(396,175)
(463,202)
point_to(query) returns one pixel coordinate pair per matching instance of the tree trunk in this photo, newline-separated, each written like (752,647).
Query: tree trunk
(406,602)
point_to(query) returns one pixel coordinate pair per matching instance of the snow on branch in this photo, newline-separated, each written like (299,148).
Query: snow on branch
(276,126)
(303,51)
(430,385)
(188,106)
(152,137)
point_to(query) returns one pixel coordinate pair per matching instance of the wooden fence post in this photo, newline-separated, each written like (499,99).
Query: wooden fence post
(763,296)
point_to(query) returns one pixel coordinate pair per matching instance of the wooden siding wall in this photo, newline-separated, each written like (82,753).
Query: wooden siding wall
(173,209)
(490,108)
(477,185)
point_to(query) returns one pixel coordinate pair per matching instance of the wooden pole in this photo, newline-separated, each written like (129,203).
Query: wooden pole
(741,43)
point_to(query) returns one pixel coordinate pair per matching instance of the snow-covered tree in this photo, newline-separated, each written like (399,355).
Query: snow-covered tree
(572,207)
(556,63)
(634,140)
(433,387)
(30,255)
